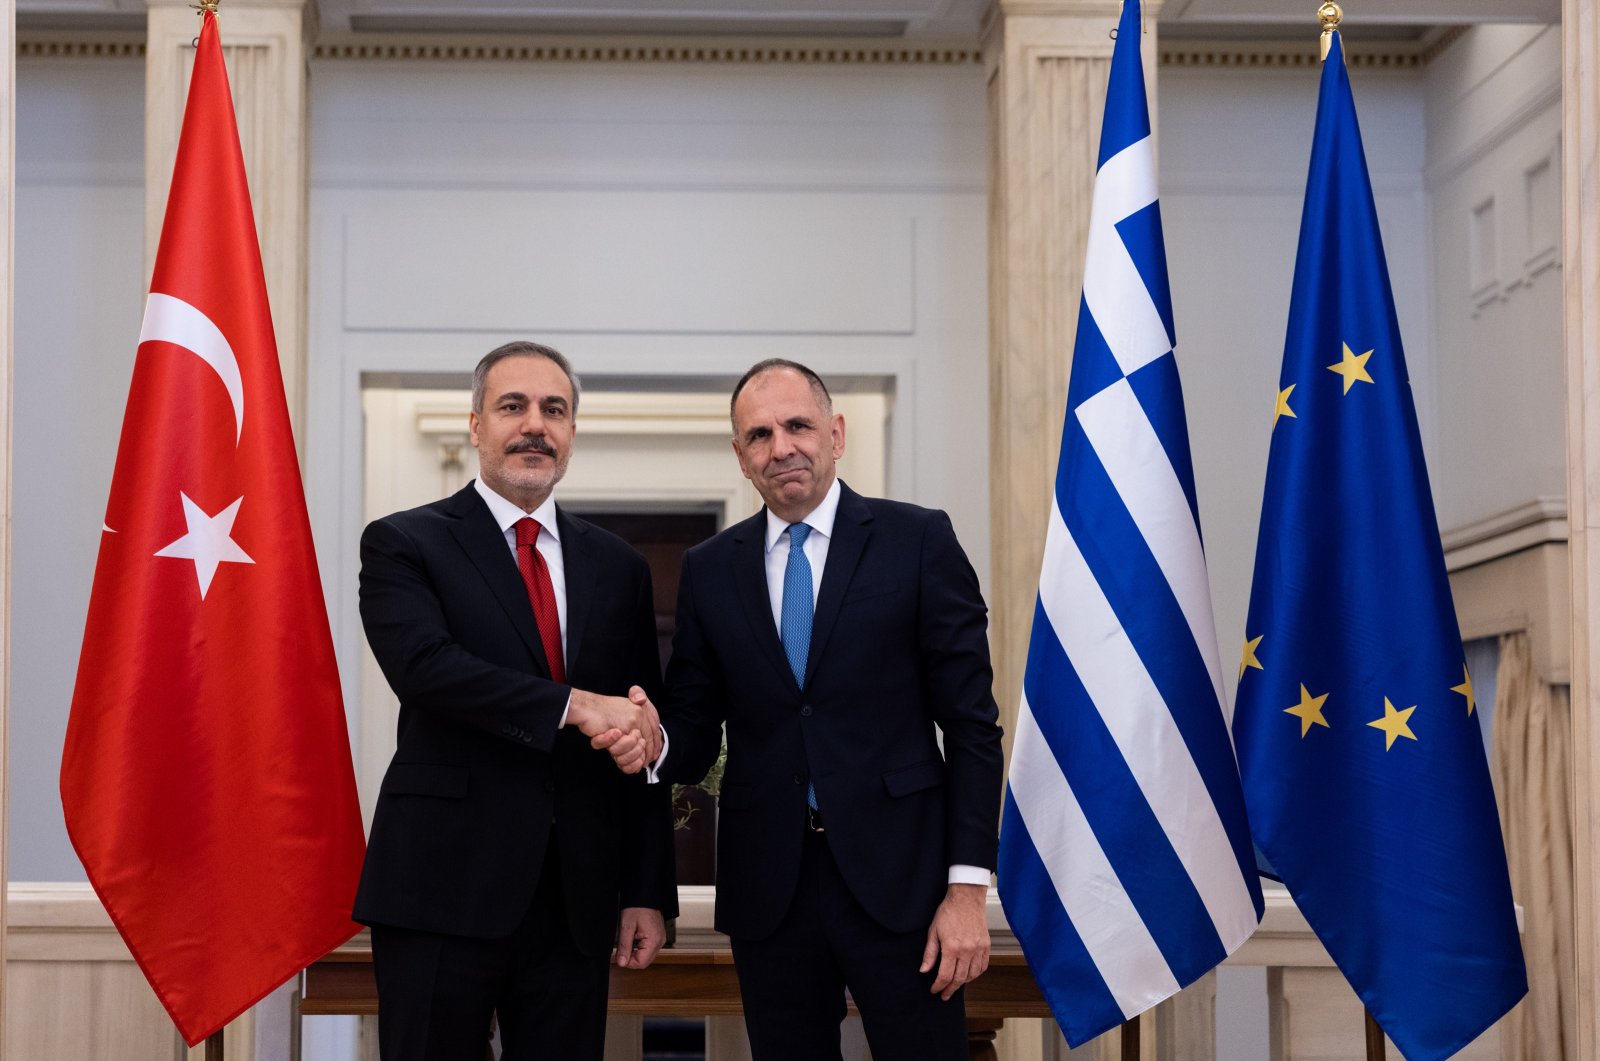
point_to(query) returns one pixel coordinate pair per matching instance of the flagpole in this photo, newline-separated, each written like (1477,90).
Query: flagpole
(1377,1046)
(214,1040)
(1130,1039)
(1331,14)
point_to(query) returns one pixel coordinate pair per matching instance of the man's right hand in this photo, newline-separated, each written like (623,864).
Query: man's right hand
(628,728)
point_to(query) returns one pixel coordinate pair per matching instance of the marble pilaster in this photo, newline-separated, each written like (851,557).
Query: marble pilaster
(8,185)
(265,46)
(1580,29)
(1047,63)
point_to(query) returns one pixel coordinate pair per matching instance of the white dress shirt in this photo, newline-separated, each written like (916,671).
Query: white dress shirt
(506,514)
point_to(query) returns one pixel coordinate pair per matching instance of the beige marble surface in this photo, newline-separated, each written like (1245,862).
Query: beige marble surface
(1581,269)
(264,44)
(8,182)
(1047,65)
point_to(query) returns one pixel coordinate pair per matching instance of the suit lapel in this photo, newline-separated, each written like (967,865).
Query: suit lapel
(750,579)
(578,560)
(851,529)
(485,545)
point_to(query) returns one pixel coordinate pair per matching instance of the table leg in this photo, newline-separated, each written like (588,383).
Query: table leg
(980,1039)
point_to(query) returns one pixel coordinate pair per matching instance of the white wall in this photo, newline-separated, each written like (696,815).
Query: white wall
(1494,182)
(79,253)
(653,221)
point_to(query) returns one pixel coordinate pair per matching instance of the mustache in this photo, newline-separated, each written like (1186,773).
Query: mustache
(535,444)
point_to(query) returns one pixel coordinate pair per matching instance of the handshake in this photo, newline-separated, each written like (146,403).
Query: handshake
(627,727)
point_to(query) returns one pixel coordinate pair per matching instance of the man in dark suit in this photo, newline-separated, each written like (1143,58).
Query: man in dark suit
(503,846)
(838,636)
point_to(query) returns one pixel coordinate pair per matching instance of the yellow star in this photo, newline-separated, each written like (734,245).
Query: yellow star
(1353,368)
(1393,723)
(1308,711)
(1283,405)
(1465,689)
(1249,659)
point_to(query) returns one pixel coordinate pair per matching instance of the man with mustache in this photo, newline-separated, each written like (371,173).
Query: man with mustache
(837,637)
(506,853)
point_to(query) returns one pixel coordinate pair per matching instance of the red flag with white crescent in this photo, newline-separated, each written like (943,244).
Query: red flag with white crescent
(207,778)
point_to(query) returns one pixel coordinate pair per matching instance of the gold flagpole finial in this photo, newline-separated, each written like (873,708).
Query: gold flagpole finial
(207,7)
(1331,15)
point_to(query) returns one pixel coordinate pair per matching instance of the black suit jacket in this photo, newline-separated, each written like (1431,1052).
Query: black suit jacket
(483,779)
(898,649)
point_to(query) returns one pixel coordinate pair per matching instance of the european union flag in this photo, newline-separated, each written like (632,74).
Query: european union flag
(1363,765)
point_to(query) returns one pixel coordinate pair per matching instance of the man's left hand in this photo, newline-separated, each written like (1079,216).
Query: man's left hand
(958,939)
(641,932)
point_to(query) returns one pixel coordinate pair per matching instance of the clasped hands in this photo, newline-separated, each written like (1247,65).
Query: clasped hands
(627,727)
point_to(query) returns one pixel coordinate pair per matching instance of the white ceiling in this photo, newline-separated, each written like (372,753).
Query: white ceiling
(871,18)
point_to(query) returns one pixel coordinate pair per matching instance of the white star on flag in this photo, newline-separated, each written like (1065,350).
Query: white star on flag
(208,543)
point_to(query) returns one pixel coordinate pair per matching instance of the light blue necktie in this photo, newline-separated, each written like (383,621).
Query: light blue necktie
(794,627)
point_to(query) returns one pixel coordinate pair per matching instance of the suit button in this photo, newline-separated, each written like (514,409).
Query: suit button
(799,780)
(806,710)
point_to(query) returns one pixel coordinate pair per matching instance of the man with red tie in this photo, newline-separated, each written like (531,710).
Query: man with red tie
(506,854)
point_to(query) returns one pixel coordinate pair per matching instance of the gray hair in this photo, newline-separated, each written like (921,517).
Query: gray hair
(520,348)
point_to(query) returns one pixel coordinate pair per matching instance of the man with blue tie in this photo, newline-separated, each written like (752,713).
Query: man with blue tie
(838,637)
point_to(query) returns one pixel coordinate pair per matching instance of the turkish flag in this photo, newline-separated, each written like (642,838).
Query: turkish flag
(206,779)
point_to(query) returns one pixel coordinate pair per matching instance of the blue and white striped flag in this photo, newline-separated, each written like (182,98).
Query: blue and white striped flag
(1125,861)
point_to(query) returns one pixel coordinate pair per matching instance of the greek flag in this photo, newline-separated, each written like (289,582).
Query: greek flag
(1126,868)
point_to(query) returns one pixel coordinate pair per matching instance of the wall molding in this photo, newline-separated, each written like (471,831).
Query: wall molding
(383,47)
(65,45)
(1541,521)
(1530,105)
(1509,572)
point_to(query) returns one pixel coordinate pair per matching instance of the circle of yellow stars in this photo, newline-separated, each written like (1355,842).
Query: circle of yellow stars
(1352,367)
(1395,723)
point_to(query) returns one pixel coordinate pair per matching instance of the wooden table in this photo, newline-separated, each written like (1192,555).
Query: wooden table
(691,982)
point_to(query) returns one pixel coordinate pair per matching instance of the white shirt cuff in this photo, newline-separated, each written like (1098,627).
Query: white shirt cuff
(650,774)
(564,712)
(969,875)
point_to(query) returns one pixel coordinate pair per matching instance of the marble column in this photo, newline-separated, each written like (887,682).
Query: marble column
(8,185)
(1047,63)
(265,45)
(1580,30)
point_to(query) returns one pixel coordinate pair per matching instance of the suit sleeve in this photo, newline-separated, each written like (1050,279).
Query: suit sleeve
(647,856)
(696,702)
(428,669)
(960,682)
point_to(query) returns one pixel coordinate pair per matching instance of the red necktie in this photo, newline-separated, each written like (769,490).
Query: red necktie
(541,594)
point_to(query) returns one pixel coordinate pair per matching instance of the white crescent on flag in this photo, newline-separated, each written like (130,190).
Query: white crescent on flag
(172,320)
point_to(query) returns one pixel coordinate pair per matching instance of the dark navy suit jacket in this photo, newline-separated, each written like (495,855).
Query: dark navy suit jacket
(483,779)
(898,655)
